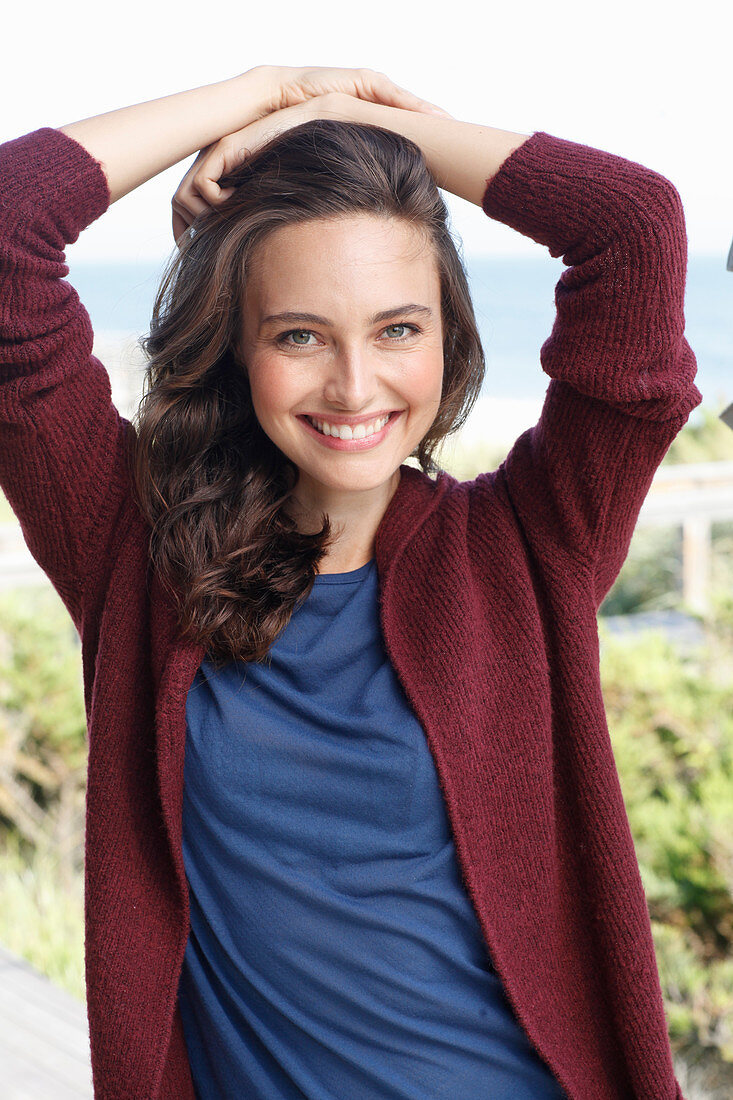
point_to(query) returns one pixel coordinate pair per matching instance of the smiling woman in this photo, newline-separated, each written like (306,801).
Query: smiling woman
(354,826)
(335,225)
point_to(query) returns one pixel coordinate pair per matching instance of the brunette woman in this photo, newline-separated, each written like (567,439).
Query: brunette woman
(354,825)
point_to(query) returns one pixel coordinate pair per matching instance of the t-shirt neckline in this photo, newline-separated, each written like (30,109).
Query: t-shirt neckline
(352,576)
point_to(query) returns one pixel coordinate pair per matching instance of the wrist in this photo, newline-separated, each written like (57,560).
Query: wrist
(462,156)
(256,92)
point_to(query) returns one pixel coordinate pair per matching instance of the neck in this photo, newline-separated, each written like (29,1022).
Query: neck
(355,519)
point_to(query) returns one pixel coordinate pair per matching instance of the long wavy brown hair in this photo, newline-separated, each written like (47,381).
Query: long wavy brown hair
(212,484)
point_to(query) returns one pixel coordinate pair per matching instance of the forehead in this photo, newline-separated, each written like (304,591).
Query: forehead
(344,255)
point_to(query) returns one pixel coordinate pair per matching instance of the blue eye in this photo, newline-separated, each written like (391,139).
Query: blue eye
(401,324)
(283,338)
(294,332)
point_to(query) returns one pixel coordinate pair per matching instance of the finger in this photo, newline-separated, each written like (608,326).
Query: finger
(190,203)
(182,218)
(379,88)
(186,204)
(180,228)
(228,153)
(185,186)
(208,187)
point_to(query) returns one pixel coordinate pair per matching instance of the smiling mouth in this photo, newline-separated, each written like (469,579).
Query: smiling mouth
(363,430)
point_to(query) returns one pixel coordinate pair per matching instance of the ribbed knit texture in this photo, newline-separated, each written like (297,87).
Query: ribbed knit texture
(489,591)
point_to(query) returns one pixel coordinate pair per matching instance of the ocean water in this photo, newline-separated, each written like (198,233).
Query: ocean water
(514,304)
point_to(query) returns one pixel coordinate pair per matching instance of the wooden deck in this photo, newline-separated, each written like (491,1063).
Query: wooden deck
(44,1040)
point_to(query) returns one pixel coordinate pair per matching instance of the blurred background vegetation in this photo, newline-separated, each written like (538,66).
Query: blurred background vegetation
(670,713)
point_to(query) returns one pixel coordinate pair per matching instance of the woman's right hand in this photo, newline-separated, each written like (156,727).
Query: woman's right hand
(199,189)
(286,95)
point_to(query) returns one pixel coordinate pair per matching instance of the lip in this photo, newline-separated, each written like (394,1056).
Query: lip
(351,444)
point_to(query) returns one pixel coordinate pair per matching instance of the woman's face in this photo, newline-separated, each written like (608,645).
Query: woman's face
(363,338)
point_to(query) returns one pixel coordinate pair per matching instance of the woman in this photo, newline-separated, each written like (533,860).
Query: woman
(354,826)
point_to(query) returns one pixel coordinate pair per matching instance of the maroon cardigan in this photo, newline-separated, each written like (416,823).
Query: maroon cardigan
(489,591)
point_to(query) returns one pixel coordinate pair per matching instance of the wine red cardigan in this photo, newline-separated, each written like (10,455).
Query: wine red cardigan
(489,591)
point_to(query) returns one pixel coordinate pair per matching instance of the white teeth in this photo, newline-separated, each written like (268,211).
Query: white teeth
(361,431)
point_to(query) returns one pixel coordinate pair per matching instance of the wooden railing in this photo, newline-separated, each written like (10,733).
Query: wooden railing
(693,495)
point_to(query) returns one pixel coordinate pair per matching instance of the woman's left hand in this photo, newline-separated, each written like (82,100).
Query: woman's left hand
(199,189)
(290,85)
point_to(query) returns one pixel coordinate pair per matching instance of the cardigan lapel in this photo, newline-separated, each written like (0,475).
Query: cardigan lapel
(174,667)
(464,648)
(175,664)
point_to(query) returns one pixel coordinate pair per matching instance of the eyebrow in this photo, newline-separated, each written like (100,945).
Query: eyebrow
(293,317)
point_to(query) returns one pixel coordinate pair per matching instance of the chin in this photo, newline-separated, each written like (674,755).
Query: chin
(350,480)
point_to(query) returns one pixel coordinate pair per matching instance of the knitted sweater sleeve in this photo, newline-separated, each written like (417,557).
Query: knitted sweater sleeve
(621,371)
(62,456)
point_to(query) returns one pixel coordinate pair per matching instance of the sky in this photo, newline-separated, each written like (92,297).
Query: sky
(649,81)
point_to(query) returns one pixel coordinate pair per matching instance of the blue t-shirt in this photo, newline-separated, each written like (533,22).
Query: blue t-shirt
(333,951)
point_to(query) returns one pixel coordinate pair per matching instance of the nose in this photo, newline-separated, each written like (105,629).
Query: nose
(351,384)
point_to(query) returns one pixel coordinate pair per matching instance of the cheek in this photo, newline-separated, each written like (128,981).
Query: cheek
(271,388)
(426,381)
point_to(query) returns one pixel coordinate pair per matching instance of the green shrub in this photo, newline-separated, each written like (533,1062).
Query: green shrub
(671,724)
(42,726)
(705,438)
(41,915)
